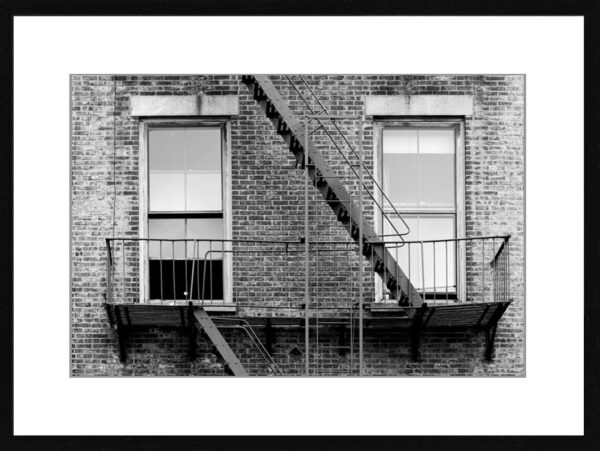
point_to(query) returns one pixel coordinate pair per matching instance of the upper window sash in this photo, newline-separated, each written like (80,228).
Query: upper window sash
(185,169)
(419,166)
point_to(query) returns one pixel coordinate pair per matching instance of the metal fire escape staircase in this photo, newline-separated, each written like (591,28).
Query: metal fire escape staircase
(291,129)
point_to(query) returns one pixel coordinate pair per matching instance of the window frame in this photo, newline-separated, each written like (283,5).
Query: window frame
(145,125)
(456,123)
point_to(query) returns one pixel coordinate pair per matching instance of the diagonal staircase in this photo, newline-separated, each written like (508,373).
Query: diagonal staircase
(290,128)
(205,324)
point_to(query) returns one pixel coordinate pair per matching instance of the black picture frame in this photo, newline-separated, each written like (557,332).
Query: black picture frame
(588,9)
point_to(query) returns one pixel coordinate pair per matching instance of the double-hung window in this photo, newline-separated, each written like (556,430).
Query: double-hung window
(185,203)
(419,174)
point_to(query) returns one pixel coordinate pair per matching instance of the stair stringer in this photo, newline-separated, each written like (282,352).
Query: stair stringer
(206,324)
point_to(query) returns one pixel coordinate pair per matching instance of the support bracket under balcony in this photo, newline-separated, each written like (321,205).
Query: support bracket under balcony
(416,328)
(192,331)
(490,337)
(490,330)
(122,333)
(269,336)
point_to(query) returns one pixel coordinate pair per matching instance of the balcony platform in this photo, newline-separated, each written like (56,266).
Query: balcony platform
(447,316)
(458,317)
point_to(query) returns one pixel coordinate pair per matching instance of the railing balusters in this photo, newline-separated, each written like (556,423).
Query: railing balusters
(446,244)
(211,267)
(409,276)
(173,261)
(422,270)
(123,270)
(109,270)
(198,271)
(191,292)
(185,268)
(483,270)
(508,270)
(201,275)
(161,271)
(434,278)
(397,275)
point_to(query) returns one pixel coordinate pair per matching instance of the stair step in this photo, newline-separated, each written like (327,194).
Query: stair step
(307,155)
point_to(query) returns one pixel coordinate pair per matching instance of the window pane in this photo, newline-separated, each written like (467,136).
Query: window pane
(411,222)
(204,192)
(399,141)
(206,229)
(436,227)
(436,141)
(436,181)
(167,149)
(204,149)
(168,229)
(400,179)
(184,278)
(167,191)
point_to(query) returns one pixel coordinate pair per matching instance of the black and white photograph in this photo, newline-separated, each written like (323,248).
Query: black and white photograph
(337,228)
(297,225)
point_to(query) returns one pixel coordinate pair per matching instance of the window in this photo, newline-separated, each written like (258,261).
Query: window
(419,175)
(186,201)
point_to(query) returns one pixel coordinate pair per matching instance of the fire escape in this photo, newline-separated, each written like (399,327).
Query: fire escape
(409,308)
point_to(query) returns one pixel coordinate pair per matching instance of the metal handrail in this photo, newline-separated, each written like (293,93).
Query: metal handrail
(350,165)
(468,238)
(118,277)
(247,327)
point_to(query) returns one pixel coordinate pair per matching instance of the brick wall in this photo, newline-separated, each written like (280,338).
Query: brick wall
(267,201)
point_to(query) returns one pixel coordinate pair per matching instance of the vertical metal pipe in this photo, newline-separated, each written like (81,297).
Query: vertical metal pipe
(483,270)
(507,270)
(360,250)
(306,257)
(409,275)
(397,275)
(108,273)
(211,269)
(466,272)
(493,270)
(350,290)
(422,269)
(123,269)
(316,270)
(506,273)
